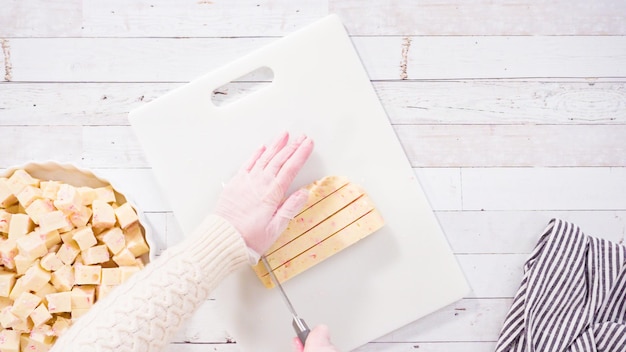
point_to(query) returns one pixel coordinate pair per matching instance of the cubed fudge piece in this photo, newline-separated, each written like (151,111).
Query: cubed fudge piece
(87,195)
(7,280)
(114,239)
(40,315)
(32,245)
(81,216)
(20,179)
(60,326)
(25,304)
(63,279)
(83,297)
(51,238)
(31,345)
(124,258)
(28,195)
(8,251)
(22,263)
(8,319)
(67,199)
(84,237)
(36,277)
(38,208)
(87,274)
(103,215)
(42,334)
(95,255)
(9,341)
(23,327)
(135,241)
(20,225)
(5,219)
(54,220)
(105,194)
(7,198)
(59,302)
(51,262)
(126,215)
(18,288)
(45,290)
(111,276)
(49,189)
(68,252)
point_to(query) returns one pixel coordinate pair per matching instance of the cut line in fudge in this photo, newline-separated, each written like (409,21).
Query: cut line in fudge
(332,245)
(323,188)
(339,213)
(316,213)
(314,228)
(328,227)
(278,260)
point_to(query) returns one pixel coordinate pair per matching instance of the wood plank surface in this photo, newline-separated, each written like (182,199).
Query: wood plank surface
(493,102)
(158,18)
(40,18)
(514,145)
(200,18)
(429,347)
(482,17)
(544,188)
(517,231)
(445,57)
(425,145)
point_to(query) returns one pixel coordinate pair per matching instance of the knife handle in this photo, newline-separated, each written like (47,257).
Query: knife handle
(302,330)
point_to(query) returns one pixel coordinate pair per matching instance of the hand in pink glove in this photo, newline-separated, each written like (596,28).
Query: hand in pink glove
(317,341)
(253,200)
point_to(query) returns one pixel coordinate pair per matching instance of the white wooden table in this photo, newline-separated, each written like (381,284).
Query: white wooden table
(510,112)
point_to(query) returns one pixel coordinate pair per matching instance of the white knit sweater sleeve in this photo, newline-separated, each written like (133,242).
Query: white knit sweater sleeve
(144,313)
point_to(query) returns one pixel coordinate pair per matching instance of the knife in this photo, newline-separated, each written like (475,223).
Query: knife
(302,330)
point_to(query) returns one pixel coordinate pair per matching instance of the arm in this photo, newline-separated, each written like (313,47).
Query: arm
(145,312)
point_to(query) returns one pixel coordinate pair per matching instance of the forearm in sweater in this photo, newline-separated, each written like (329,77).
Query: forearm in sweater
(144,313)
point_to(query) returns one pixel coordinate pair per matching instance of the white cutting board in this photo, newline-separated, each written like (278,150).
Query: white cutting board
(391,278)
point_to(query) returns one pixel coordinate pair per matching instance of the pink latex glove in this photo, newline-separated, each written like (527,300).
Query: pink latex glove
(254,199)
(317,341)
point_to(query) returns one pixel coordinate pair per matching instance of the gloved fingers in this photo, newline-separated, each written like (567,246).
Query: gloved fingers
(317,341)
(290,208)
(297,345)
(257,154)
(270,152)
(319,338)
(281,157)
(293,205)
(293,165)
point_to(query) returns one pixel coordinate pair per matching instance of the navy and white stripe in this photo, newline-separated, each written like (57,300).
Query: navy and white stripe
(572,297)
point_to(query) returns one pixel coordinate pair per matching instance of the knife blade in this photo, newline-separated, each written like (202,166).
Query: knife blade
(299,325)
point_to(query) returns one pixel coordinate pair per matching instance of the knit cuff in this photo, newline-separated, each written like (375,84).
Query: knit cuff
(215,242)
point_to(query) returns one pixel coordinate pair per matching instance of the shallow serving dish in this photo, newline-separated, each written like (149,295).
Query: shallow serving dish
(75,176)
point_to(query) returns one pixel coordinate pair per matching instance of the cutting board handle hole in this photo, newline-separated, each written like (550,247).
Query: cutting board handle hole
(243,86)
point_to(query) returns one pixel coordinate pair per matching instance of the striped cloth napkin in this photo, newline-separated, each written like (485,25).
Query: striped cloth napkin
(572,297)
